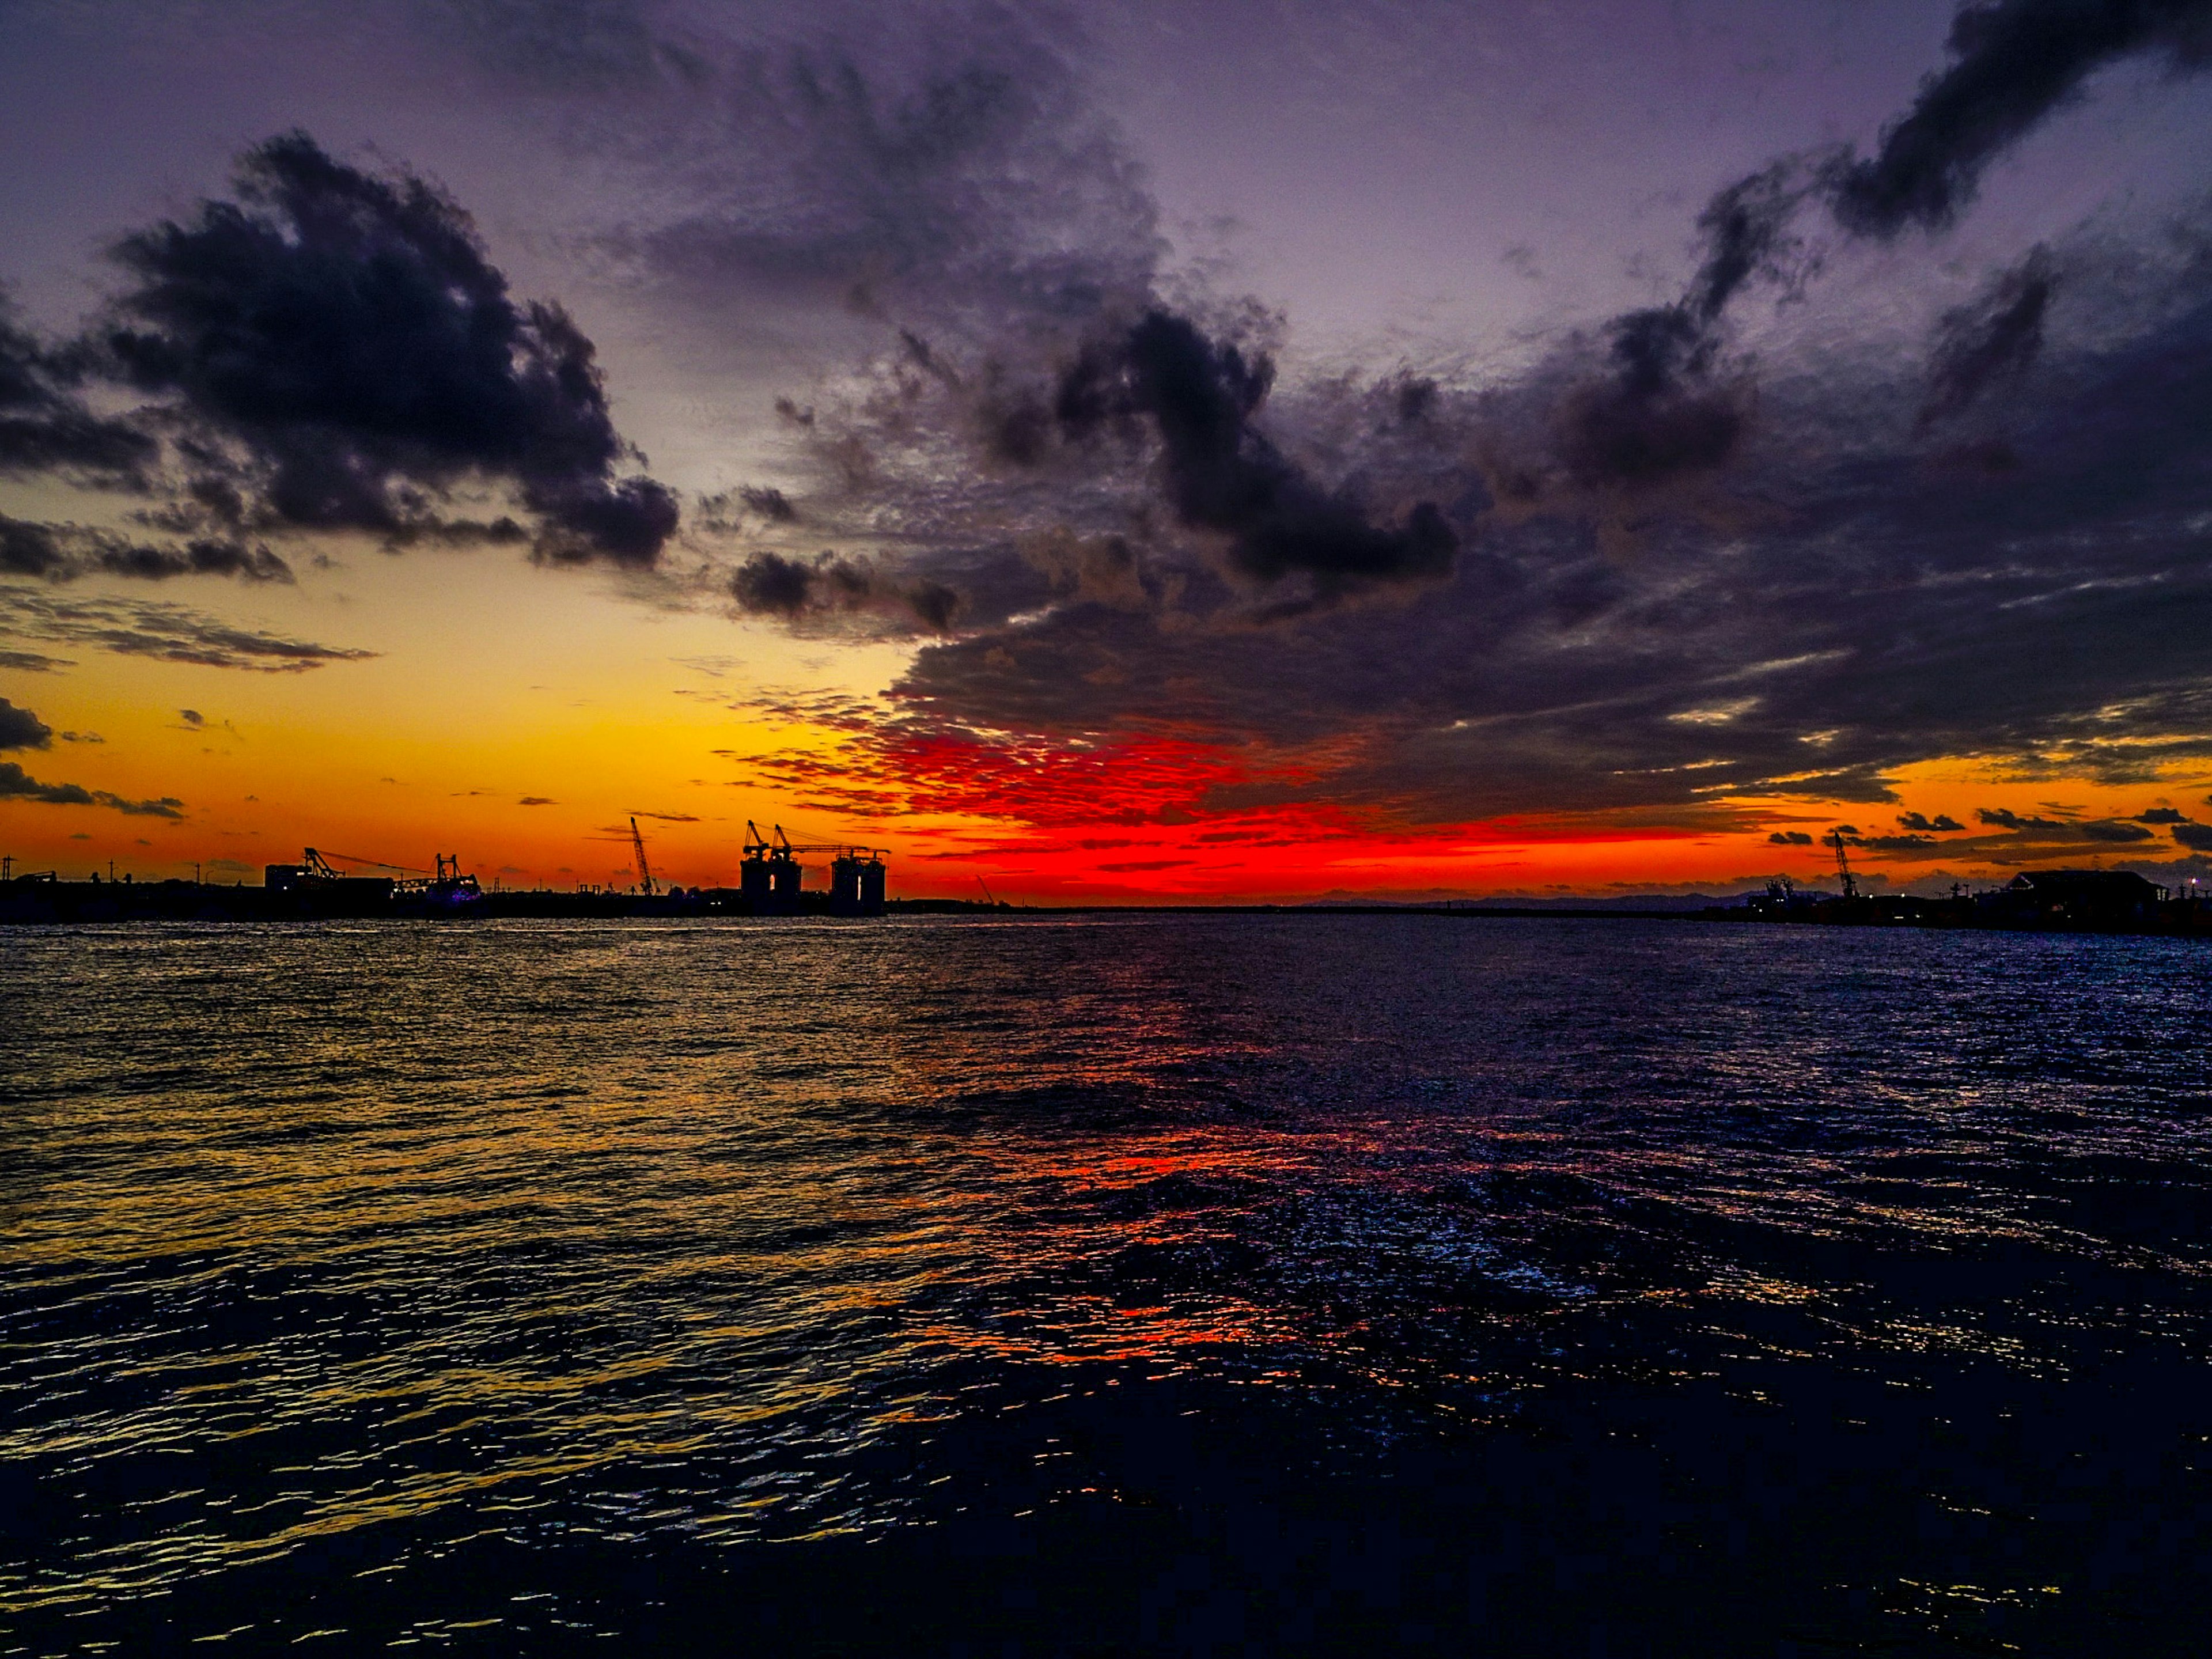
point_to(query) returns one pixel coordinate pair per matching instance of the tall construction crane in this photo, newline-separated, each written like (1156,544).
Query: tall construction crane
(1844,865)
(644,870)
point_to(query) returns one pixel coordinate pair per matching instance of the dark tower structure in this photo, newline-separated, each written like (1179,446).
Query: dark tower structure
(770,876)
(844,885)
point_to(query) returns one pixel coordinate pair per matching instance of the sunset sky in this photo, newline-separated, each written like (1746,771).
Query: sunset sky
(1226,451)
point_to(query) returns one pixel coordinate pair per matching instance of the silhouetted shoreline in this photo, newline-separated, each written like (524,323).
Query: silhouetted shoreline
(42,901)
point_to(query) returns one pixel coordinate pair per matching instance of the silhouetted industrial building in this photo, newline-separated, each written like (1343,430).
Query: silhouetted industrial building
(771,878)
(856,884)
(2078,898)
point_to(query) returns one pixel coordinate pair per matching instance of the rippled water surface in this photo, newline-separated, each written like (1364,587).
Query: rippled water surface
(1200,1284)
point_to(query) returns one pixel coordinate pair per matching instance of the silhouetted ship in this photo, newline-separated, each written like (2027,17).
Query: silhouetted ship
(317,889)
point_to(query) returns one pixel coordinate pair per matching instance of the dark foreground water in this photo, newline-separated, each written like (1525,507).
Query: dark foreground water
(1198,1284)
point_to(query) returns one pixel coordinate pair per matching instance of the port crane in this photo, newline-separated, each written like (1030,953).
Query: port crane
(1844,865)
(447,886)
(771,875)
(318,864)
(783,846)
(644,870)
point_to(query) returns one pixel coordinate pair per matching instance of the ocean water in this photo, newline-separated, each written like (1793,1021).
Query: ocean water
(1144,1283)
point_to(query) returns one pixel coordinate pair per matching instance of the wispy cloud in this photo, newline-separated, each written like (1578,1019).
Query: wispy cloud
(171,633)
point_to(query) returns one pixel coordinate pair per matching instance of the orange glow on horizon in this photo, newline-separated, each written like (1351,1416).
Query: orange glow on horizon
(518,717)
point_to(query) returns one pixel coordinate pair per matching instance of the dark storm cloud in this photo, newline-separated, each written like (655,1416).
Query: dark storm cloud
(340,353)
(45,427)
(1221,474)
(934,605)
(16,784)
(1744,231)
(768,584)
(33,550)
(170,633)
(942,183)
(1866,610)
(770,504)
(1661,412)
(2014,62)
(205,555)
(21,729)
(938,187)
(1994,338)
(1656,413)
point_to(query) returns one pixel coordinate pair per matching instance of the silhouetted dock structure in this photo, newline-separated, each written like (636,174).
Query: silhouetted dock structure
(772,883)
(2040,900)
(771,880)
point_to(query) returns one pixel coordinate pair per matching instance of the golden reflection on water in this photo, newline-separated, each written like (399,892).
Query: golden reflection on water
(363,1227)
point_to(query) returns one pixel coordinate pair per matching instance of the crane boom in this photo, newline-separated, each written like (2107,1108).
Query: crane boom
(644,870)
(1844,865)
(314,861)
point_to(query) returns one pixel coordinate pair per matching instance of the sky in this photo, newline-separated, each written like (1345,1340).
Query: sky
(1249,451)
